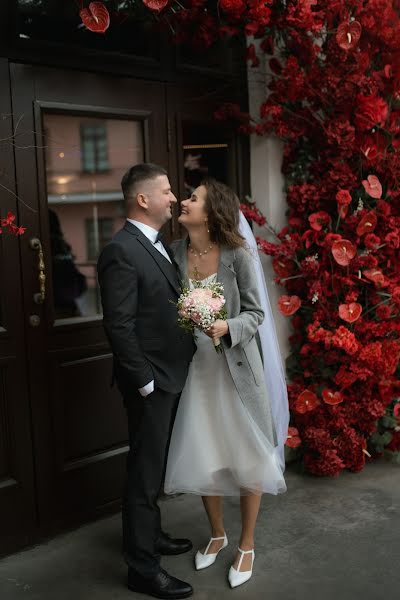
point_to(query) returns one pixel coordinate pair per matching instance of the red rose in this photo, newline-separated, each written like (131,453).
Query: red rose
(319,220)
(343,252)
(306,402)
(396,296)
(383,311)
(371,111)
(373,186)
(372,241)
(288,305)
(393,239)
(367,224)
(343,197)
(234,7)
(350,312)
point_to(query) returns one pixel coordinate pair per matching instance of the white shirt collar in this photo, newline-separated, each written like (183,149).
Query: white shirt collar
(148,231)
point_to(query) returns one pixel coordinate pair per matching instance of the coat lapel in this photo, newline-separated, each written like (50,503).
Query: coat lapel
(180,258)
(166,267)
(226,273)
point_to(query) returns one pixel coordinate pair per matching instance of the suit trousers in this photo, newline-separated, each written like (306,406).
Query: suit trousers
(150,423)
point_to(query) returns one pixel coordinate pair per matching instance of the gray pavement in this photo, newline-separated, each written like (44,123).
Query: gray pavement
(331,539)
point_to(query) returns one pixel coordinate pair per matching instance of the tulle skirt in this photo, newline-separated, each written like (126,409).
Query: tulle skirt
(216,447)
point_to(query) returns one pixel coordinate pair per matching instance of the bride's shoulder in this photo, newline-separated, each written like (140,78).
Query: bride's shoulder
(243,255)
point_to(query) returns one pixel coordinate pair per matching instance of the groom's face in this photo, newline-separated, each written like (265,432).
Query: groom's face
(159,200)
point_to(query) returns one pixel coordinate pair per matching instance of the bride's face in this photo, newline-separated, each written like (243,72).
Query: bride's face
(193,210)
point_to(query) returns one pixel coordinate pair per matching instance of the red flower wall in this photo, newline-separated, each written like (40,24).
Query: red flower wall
(334,98)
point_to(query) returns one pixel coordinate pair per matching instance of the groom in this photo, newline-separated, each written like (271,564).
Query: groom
(139,285)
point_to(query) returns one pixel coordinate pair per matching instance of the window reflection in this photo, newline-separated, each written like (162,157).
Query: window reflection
(85,161)
(205,152)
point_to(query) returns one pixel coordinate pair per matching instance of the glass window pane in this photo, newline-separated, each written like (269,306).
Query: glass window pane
(85,204)
(205,152)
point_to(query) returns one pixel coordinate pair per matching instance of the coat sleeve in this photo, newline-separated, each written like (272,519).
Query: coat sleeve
(118,281)
(243,327)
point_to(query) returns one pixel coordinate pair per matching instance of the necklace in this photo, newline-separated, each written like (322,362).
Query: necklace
(196,255)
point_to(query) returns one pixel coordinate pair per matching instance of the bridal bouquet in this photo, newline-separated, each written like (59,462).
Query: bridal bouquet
(200,307)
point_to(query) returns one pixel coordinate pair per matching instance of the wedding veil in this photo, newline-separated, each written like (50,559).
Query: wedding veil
(274,373)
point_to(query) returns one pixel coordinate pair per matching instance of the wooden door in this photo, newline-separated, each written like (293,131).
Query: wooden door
(78,133)
(17,501)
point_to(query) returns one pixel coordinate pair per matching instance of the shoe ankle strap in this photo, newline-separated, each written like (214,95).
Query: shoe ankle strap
(213,540)
(243,552)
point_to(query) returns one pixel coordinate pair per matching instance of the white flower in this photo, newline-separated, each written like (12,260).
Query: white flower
(360,206)
(315,298)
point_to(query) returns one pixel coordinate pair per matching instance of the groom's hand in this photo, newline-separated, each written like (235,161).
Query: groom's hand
(218,330)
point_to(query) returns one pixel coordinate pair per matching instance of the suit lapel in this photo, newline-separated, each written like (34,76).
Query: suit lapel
(165,266)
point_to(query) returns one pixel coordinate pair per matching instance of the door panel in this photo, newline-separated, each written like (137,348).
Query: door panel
(17,503)
(80,134)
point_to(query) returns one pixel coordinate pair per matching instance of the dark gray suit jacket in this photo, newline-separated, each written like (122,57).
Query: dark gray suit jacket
(138,290)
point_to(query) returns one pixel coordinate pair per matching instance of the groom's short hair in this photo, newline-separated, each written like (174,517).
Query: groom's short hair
(137,175)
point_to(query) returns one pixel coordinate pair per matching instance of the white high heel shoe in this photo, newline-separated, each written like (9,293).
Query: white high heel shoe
(202,561)
(237,577)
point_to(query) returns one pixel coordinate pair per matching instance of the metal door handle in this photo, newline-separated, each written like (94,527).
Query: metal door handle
(40,297)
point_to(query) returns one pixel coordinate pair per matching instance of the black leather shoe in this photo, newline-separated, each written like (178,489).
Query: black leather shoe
(162,585)
(166,545)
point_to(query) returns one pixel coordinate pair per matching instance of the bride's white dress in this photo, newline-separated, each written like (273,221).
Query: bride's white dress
(216,447)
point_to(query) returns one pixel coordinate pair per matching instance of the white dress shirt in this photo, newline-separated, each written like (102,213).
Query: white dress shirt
(151,235)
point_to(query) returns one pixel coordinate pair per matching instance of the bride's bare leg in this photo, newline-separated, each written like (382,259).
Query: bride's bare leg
(215,514)
(249,507)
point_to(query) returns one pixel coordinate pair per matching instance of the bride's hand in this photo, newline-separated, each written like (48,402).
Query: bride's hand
(218,329)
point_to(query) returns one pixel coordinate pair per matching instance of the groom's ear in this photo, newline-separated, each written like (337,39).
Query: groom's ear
(142,201)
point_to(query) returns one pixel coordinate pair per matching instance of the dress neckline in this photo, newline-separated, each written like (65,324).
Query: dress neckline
(205,278)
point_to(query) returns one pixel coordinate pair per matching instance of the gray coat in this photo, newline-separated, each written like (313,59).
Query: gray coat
(236,273)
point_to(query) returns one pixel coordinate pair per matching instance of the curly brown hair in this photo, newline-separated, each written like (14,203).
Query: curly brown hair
(222,206)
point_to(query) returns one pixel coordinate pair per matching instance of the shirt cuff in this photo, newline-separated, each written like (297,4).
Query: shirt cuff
(147,389)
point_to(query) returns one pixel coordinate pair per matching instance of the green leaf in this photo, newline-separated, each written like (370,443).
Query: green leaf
(389,422)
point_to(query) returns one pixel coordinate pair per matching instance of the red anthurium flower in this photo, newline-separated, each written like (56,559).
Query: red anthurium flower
(95,18)
(306,402)
(319,220)
(283,267)
(375,275)
(350,312)
(348,35)
(373,186)
(396,412)
(288,305)
(330,397)
(343,252)
(293,439)
(367,223)
(156,5)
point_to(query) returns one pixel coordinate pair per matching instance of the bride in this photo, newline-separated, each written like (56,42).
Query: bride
(232,418)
